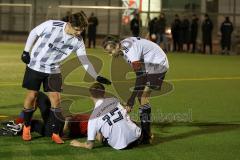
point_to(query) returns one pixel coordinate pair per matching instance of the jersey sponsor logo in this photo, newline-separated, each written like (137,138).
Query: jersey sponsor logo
(50,45)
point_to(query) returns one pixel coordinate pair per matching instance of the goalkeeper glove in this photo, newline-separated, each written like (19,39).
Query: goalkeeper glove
(103,80)
(25,57)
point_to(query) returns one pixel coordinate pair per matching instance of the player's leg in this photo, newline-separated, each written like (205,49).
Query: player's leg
(53,85)
(56,116)
(37,126)
(94,41)
(145,115)
(32,82)
(29,108)
(155,82)
(44,105)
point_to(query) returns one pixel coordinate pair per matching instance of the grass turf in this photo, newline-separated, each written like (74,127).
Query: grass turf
(206,91)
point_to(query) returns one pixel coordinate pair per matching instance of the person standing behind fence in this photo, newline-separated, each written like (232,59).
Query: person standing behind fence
(152,25)
(226,31)
(175,30)
(194,32)
(207,28)
(161,27)
(135,25)
(92,30)
(185,33)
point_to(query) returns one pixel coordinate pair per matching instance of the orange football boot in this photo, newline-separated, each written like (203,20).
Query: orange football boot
(26,135)
(57,139)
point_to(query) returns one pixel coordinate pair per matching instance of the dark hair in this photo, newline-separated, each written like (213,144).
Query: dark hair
(97,90)
(110,40)
(79,19)
(227,18)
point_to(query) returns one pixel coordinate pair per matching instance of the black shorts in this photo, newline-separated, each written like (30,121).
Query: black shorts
(33,79)
(154,81)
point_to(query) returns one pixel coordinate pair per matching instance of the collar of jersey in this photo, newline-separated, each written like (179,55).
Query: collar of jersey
(64,32)
(98,103)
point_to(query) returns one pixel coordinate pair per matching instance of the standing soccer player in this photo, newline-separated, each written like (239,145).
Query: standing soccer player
(50,43)
(150,64)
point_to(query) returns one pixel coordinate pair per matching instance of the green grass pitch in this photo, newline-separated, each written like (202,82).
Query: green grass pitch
(206,91)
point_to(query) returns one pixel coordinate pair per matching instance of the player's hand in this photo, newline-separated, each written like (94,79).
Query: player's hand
(103,80)
(25,57)
(129,109)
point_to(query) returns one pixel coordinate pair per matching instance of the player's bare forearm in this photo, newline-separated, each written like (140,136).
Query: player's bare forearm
(87,145)
(139,85)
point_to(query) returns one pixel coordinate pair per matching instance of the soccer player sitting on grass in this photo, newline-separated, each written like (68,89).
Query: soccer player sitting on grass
(50,43)
(109,123)
(150,64)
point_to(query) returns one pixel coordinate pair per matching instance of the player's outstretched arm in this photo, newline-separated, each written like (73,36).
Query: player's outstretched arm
(90,69)
(139,83)
(87,145)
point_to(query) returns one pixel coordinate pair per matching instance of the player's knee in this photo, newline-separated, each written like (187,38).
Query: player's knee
(144,100)
(31,97)
(55,99)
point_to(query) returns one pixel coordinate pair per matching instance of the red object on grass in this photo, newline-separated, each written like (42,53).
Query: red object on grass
(79,124)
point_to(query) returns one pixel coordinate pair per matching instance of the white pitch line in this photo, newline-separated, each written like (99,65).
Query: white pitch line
(2,116)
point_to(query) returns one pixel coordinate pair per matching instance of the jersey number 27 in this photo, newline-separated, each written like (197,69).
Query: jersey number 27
(112,113)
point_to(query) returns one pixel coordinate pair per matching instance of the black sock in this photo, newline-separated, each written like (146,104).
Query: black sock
(145,118)
(57,120)
(28,113)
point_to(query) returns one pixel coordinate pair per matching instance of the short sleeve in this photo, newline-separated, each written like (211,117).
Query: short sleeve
(92,129)
(132,50)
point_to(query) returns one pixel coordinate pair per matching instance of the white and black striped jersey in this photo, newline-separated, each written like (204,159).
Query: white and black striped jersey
(111,120)
(53,45)
(139,49)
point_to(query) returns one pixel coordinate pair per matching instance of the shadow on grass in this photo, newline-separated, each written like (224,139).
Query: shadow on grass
(203,129)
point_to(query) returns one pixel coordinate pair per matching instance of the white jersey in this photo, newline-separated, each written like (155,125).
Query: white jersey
(139,49)
(111,120)
(53,45)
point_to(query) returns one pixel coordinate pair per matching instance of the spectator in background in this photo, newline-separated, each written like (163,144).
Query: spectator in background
(194,32)
(92,30)
(152,25)
(135,25)
(67,17)
(226,31)
(83,34)
(207,28)
(161,27)
(185,33)
(175,30)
